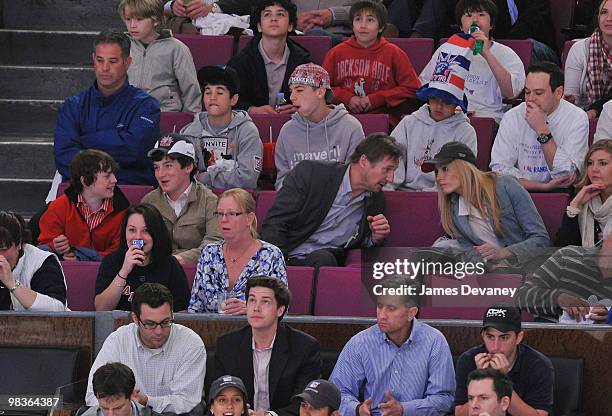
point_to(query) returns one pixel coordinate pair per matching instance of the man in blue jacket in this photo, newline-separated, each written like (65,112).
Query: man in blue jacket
(111,116)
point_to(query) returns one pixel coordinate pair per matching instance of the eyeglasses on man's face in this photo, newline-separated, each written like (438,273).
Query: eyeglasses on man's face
(229,214)
(150,325)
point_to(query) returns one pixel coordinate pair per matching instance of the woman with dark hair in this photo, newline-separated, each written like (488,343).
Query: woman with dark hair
(591,209)
(228,396)
(30,278)
(588,68)
(144,255)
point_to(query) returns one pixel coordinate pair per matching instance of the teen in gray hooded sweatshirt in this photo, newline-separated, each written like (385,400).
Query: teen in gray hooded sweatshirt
(239,140)
(333,138)
(423,137)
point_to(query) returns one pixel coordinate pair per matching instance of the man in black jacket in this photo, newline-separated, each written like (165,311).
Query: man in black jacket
(274,360)
(265,64)
(325,208)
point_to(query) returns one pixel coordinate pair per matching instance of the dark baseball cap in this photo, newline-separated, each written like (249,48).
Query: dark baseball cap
(216,75)
(321,393)
(449,152)
(224,382)
(504,318)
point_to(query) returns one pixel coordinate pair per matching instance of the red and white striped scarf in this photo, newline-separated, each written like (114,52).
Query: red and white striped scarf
(599,63)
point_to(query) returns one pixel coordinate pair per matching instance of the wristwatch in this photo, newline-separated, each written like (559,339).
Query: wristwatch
(544,138)
(14,288)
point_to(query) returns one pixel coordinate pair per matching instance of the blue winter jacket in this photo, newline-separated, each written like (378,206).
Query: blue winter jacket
(124,125)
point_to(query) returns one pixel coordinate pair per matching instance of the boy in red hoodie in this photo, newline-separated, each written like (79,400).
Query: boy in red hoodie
(369,74)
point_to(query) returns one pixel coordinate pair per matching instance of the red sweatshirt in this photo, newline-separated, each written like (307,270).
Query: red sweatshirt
(383,72)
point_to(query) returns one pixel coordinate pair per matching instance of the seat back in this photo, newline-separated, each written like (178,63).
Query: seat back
(339,293)
(133,193)
(301,282)
(552,208)
(190,271)
(173,122)
(209,49)
(485,133)
(566,48)
(374,123)
(522,47)
(81,284)
(36,371)
(568,385)
(414,219)
(265,199)
(269,125)
(419,50)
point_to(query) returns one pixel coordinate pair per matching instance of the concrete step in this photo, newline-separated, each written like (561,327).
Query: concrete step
(33,118)
(25,196)
(43,82)
(43,47)
(91,15)
(27,158)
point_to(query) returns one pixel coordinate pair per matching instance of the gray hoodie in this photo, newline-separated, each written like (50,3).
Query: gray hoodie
(333,138)
(165,70)
(239,143)
(423,138)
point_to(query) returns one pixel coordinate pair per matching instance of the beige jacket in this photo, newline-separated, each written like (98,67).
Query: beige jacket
(165,70)
(195,227)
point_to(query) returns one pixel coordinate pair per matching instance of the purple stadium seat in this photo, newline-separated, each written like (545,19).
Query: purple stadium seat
(566,48)
(464,306)
(419,50)
(562,12)
(318,46)
(81,284)
(266,121)
(301,281)
(485,133)
(551,207)
(592,129)
(342,283)
(208,49)
(133,193)
(414,219)
(190,271)
(265,199)
(173,122)
(522,47)
(374,123)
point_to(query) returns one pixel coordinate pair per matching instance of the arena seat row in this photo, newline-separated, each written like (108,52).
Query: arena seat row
(217,50)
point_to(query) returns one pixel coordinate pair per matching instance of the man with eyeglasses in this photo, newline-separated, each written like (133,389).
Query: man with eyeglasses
(186,205)
(168,360)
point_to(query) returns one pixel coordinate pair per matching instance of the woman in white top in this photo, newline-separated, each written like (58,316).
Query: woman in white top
(588,68)
(495,74)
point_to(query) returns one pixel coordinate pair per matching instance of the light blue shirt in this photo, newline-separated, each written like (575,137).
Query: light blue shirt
(340,224)
(419,373)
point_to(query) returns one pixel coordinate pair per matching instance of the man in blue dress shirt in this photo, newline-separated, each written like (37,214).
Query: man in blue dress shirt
(400,366)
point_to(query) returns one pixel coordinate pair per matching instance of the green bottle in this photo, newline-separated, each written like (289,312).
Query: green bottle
(479,43)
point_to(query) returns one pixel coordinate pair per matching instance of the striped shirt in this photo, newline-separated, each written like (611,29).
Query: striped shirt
(94,218)
(574,270)
(172,376)
(419,373)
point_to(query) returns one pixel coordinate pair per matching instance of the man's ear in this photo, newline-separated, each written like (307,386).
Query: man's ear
(505,402)
(82,180)
(558,92)
(134,318)
(93,57)
(234,100)
(520,336)
(128,62)
(280,311)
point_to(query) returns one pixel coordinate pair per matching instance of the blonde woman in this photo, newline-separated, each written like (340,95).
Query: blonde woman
(225,266)
(591,209)
(493,215)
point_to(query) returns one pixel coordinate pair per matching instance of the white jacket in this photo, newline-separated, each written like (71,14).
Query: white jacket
(423,138)
(604,124)
(576,72)
(517,152)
